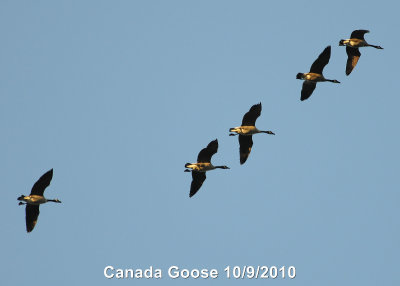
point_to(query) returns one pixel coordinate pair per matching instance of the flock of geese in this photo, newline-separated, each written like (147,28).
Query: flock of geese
(248,128)
(353,54)
(245,131)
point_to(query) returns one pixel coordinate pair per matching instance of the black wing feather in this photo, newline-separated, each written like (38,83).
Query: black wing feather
(206,153)
(321,61)
(307,89)
(249,119)
(31,216)
(353,55)
(358,34)
(197,182)
(245,143)
(41,184)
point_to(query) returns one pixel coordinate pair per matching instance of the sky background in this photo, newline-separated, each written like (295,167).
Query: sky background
(117,96)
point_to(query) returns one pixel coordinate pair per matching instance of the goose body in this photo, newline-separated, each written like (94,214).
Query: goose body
(246,130)
(35,199)
(315,75)
(354,43)
(202,166)
(353,54)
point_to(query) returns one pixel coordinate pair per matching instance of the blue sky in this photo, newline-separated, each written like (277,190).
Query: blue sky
(117,96)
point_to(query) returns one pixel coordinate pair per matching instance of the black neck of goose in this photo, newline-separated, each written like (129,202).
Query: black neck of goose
(268,132)
(376,47)
(332,80)
(55,201)
(221,167)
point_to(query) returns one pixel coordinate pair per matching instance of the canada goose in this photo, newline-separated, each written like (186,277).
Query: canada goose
(36,198)
(315,74)
(353,54)
(203,165)
(246,131)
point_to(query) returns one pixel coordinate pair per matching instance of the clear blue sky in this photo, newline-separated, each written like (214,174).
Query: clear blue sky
(117,96)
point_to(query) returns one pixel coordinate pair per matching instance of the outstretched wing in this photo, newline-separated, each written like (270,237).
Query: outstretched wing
(322,61)
(206,153)
(358,34)
(249,119)
(31,216)
(245,143)
(197,182)
(353,55)
(41,184)
(307,89)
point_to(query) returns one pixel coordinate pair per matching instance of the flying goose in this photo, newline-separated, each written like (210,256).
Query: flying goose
(246,130)
(36,198)
(315,74)
(353,54)
(203,165)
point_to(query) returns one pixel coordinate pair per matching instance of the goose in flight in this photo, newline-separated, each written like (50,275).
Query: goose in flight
(315,74)
(203,165)
(36,198)
(246,130)
(353,54)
